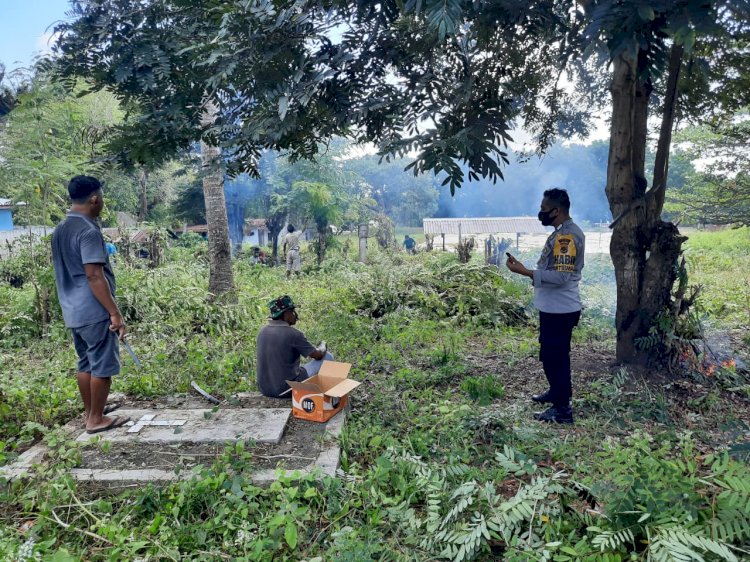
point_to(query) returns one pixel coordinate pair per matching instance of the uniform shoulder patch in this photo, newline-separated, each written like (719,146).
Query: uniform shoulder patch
(564,253)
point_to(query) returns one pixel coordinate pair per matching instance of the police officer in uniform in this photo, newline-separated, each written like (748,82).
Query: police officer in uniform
(556,295)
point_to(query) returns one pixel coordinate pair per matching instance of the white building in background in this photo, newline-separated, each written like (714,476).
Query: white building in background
(483,227)
(255,232)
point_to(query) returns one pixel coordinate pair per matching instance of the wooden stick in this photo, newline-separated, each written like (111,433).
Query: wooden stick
(87,533)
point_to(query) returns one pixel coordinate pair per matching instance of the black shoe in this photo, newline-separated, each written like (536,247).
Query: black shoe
(555,414)
(543,397)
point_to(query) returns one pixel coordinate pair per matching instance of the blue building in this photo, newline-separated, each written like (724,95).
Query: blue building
(6,214)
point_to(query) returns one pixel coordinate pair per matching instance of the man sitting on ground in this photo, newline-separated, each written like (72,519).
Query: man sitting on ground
(258,256)
(279,348)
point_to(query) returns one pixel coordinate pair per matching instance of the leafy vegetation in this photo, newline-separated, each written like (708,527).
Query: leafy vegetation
(719,260)
(720,192)
(439,458)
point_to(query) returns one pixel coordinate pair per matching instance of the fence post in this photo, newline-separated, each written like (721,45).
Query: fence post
(363,231)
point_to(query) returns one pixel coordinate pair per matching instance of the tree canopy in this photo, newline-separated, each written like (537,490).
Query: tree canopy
(719,191)
(445,81)
(48,137)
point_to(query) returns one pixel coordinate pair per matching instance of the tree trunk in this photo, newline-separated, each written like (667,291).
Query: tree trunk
(644,249)
(142,196)
(321,244)
(274,225)
(220,277)
(661,162)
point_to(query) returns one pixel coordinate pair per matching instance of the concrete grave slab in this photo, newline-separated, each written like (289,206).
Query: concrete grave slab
(151,451)
(325,462)
(24,462)
(198,426)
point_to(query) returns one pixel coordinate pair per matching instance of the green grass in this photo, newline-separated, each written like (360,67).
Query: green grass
(720,263)
(731,241)
(416,232)
(439,456)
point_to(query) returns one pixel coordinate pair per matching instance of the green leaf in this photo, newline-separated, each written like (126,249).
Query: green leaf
(689,41)
(290,534)
(236,488)
(62,555)
(646,13)
(310,492)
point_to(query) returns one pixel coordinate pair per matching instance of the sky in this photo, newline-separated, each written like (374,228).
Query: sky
(24,29)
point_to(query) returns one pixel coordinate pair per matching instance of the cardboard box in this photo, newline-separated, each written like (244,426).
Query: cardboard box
(324,395)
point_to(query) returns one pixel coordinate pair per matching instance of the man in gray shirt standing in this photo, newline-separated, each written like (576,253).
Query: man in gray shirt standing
(86,290)
(556,296)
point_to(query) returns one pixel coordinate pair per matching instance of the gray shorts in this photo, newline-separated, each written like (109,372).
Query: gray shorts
(292,260)
(98,349)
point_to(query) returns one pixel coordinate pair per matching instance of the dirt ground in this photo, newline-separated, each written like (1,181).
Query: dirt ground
(611,401)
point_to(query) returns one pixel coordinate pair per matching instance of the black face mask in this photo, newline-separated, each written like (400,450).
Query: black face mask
(545,218)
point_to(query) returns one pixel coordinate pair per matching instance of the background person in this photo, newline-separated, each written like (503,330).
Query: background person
(257,256)
(410,244)
(557,297)
(279,348)
(86,290)
(291,248)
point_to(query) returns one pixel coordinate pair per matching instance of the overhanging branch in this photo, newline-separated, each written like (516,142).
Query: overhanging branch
(661,164)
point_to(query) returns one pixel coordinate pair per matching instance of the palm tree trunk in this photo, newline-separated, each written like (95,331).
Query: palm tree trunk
(321,245)
(220,277)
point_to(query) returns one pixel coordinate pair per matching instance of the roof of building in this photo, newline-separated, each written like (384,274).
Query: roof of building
(484,225)
(9,204)
(135,235)
(256,224)
(125,219)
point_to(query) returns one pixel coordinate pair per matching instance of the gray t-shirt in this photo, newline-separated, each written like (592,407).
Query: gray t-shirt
(279,348)
(78,240)
(558,270)
(292,241)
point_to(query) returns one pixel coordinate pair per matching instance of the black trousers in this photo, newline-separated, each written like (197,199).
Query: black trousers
(555,331)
